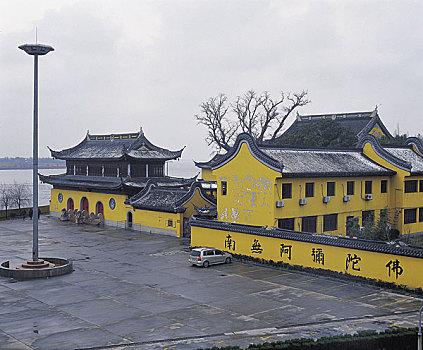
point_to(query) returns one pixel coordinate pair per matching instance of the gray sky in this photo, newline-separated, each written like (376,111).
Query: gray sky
(119,65)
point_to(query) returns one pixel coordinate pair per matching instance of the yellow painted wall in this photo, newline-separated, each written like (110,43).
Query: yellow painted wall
(158,219)
(117,214)
(207,175)
(372,265)
(396,185)
(196,200)
(316,207)
(250,186)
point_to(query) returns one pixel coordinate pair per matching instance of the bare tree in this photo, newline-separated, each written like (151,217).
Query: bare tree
(5,196)
(20,194)
(214,116)
(258,115)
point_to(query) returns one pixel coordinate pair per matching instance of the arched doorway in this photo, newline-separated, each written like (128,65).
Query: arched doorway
(84,204)
(129,220)
(70,204)
(99,209)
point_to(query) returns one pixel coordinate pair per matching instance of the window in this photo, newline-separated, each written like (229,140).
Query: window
(309,189)
(286,191)
(384,186)
(368,187)
(309,224)
(209,252)
(224,185)
(410,186)
(170,223)
(95,170)
(330,222)
(410,216)
(367,216)
(350,188)
(421,186)
(420,214)
(330,189)
(286,224)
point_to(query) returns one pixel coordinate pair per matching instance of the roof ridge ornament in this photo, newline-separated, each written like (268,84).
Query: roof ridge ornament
(141,131)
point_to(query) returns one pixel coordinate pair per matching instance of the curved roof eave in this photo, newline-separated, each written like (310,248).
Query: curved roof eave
(254,150)
(414,141)
(381,152)
(58,154)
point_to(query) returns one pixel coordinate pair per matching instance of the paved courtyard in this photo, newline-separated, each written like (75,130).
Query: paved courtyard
(132,290)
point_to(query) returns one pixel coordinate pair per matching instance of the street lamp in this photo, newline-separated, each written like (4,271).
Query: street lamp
(35,50)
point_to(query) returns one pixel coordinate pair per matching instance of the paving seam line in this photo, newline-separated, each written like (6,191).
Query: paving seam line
(245,332)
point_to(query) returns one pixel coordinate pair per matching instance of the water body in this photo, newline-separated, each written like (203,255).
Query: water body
(182,168)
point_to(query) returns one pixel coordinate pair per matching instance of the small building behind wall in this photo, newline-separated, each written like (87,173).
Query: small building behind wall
(167,210)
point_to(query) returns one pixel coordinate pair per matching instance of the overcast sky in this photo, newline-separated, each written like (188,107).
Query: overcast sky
(119,65)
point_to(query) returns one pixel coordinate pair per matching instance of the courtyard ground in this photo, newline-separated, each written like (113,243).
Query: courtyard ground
(133,290)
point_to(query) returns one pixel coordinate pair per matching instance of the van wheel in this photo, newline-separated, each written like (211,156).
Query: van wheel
(206,264)
(228,260)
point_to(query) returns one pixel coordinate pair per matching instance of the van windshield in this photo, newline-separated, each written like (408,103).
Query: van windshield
(195,253)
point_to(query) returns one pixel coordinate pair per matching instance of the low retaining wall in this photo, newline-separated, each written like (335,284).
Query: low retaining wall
(391,263)
(65,266)
(16,213)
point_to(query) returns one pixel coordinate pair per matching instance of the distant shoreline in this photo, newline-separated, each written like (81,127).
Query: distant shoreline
(30,167)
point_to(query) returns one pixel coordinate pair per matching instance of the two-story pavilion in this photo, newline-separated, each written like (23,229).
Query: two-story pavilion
(318,190)
(104,171)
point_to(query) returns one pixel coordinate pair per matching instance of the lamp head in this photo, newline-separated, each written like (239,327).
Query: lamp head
(36,49)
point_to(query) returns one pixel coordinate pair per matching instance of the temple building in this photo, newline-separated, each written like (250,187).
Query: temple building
(360,123)
(319,190)
(113,174)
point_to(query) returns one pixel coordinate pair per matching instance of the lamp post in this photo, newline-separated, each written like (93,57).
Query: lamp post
(35,50)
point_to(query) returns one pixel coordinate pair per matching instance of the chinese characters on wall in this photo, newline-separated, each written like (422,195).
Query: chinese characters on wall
(352,261)
(394,268)
(286,251)
(318,255)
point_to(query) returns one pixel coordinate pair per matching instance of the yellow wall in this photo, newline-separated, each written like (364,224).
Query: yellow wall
(196,200)
(207,175)
(153,219)
(159,220)
(250,186)
(118,214)
(372,264)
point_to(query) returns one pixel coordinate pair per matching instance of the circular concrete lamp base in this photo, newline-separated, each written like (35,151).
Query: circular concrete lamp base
(42,268)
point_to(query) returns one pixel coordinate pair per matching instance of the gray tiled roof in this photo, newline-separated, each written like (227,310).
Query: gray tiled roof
(304,163)
(167,181)
(300,162)
(345,242)
(114,147)
(166,199)
(360,123)
(77,181)
(407,154)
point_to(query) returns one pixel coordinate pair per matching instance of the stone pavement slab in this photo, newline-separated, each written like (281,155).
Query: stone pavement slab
(134,290)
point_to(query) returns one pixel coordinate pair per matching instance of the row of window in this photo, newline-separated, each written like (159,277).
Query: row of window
(113,171)
(309,223)
(330,222)
(330,188)
(411,186)
(410,215)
